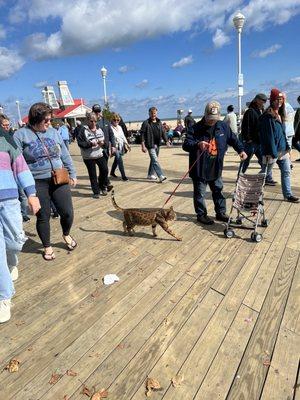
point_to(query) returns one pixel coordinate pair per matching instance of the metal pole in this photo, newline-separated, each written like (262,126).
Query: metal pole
(240,79)
(19,112)
(104,87)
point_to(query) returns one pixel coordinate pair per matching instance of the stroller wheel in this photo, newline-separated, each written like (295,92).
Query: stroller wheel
(265,223)
(256,237)
(229,233)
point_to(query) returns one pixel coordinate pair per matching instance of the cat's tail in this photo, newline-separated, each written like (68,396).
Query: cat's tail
(114,201)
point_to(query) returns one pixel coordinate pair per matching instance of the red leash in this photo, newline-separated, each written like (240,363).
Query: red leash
(184,176)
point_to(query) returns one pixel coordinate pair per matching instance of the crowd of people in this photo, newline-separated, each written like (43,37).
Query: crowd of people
(37,170)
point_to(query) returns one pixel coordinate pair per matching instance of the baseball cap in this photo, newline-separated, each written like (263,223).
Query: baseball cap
(190,111)
(212,111)
(261,96)
(96,108)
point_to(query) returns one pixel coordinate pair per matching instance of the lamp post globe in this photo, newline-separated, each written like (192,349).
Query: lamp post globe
(238,21)
(103,71)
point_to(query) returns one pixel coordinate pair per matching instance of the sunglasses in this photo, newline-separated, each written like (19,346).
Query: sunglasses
(46,120)
(116,120)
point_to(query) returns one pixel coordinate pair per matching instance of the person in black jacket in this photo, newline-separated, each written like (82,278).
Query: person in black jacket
(206,142)
(189,120)
(151,134)
(250,133)
(296,138)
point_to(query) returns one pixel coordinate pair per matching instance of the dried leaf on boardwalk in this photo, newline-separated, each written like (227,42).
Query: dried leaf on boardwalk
(177,380)
(102,394)
(152,384)
(86,391)
(71,373)
(13,365)
(54,378)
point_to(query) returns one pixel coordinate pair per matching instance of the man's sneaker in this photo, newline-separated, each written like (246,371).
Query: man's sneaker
(55,215)
(204,219)
(292,199)
(108,189)
(96,196)
(270,183)
(103,192)
(162,178)
(222,217)
(5,310)
(152,177)
(14,273)
(125,178)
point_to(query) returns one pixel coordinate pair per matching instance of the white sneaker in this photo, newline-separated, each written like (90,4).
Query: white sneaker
(162,178)
(4,310)
(152,177)
(14,273)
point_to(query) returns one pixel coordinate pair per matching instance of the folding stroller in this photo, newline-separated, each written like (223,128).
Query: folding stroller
(248,202)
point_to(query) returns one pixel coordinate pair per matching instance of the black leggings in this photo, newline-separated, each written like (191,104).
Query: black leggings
(61,197)
(101,182)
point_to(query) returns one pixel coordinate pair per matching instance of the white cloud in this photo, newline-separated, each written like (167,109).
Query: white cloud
(183,62)
(266,52)
(142,84)
(40,85)
(220,38)
(125,68)
(10,62)
(296,79)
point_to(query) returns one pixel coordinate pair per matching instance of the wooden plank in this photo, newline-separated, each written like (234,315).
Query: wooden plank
(219,377)
(171,360)
(261,283)
(282,375)
(261,345)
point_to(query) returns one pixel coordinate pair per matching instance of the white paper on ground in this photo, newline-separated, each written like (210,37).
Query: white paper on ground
(110,278)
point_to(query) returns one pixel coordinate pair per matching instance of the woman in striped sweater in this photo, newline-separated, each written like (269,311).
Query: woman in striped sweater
(14,173)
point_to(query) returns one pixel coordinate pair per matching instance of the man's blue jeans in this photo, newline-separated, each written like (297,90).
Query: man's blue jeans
(285,171)
(154,164)
(252,149)
(216,188)
(12,238)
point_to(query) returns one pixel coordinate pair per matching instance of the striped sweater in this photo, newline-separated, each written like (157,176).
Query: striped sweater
(14,171)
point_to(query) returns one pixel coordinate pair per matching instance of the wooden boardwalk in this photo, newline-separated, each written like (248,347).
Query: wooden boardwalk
(221,315)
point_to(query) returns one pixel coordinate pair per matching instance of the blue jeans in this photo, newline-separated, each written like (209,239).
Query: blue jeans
(154,164)
(12,238)
(118,162)
(216,188)
(252,149)
(285,171)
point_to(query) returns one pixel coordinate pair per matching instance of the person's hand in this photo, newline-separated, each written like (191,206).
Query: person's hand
(113,151)
(168,144)
(34,204)
(100,142)
(144,150)
(203,145)
(73,182)
(94,143)
(243,156)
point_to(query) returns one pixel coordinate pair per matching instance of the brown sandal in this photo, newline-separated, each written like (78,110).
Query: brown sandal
(49,256)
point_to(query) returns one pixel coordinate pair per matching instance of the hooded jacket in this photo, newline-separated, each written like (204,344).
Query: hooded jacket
(223,136)
(250,124)
(272,135)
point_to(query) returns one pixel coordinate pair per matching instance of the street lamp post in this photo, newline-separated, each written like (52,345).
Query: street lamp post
(19,112)
(103,74)
(238,21)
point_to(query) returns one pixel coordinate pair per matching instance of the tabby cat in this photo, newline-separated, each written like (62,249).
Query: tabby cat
(150,216)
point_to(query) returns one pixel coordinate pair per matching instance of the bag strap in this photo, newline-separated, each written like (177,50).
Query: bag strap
(44,146)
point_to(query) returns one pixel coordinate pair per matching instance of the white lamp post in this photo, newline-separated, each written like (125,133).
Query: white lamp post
(104,73)
(19,112)
(238,21)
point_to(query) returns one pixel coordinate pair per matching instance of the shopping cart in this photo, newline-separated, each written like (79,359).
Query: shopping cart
(249,205)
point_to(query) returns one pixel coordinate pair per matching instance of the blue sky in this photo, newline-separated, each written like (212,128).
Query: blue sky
(156,52)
